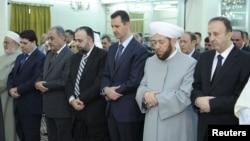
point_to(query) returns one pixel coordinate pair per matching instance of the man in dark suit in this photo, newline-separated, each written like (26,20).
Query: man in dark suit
(187,45)
(238,40)
(20,84)
(89,123)
(217,81)
(69,37)
(52,84)
(122,75)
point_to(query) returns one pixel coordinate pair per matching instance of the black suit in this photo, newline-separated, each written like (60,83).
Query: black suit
(225,88)
(90,123)
(246,48)
(196,55)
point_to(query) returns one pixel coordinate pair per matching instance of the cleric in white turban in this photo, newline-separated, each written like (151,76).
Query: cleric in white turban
(166,29)
(14,36)
(164,91)
(12,50)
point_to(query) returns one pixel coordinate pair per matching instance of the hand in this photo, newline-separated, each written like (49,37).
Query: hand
(203,103)
(13,92)
(150,98)
(77,104)
(39,86)
(111,93)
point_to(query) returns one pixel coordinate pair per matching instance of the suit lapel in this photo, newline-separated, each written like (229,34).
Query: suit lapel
(57,59)
(30,58)
(111,54)
(89,62)
(230,62)
(127,51)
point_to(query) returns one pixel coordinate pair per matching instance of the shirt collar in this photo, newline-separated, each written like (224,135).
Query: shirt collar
(126,42)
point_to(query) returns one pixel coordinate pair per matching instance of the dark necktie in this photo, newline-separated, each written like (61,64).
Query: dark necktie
(218,67)
(79,74)
(24,59)
(53,58)
(119,52)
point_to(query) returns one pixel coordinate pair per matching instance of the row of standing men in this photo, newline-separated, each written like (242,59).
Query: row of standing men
(123,94)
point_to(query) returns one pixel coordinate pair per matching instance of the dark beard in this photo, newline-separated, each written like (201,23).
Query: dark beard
(83,51)
(166,54)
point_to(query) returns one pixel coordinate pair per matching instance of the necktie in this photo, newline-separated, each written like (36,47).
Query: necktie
(119,52)
(25,57)
(79,74)
(218,67)
(53,58)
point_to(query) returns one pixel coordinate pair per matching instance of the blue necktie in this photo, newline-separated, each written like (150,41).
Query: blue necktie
(119,52)
(24,59)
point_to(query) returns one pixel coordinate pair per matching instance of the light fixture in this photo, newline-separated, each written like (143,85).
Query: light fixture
(227,6)
(79,5)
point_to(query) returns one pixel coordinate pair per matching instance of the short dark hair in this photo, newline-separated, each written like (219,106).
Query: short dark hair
(225,21)
(206,40)
(107,37)
(88,30)
(140,34)
(198,33)
(29,34)
(245,34)
(123,14)
(70,32)
(191,35)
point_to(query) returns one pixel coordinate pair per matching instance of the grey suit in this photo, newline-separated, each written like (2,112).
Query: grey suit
(55,103)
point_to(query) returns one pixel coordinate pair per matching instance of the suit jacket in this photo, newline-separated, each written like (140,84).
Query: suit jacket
(55,102)
(24,78)
(127,73)
(226,87)
(246,48)
(196,54)
(94,110)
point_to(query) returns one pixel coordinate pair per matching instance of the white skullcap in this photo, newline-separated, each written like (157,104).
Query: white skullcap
(14,36)
(97,41)
(165,29)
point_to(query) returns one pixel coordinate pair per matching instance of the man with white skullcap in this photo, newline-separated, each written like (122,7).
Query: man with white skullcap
(164,92)
(11,49)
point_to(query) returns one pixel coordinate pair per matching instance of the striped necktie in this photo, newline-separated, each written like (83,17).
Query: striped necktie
(79,74)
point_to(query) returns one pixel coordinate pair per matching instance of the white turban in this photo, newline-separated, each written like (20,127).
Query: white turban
(14,36)
(165,29)
(97,40)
